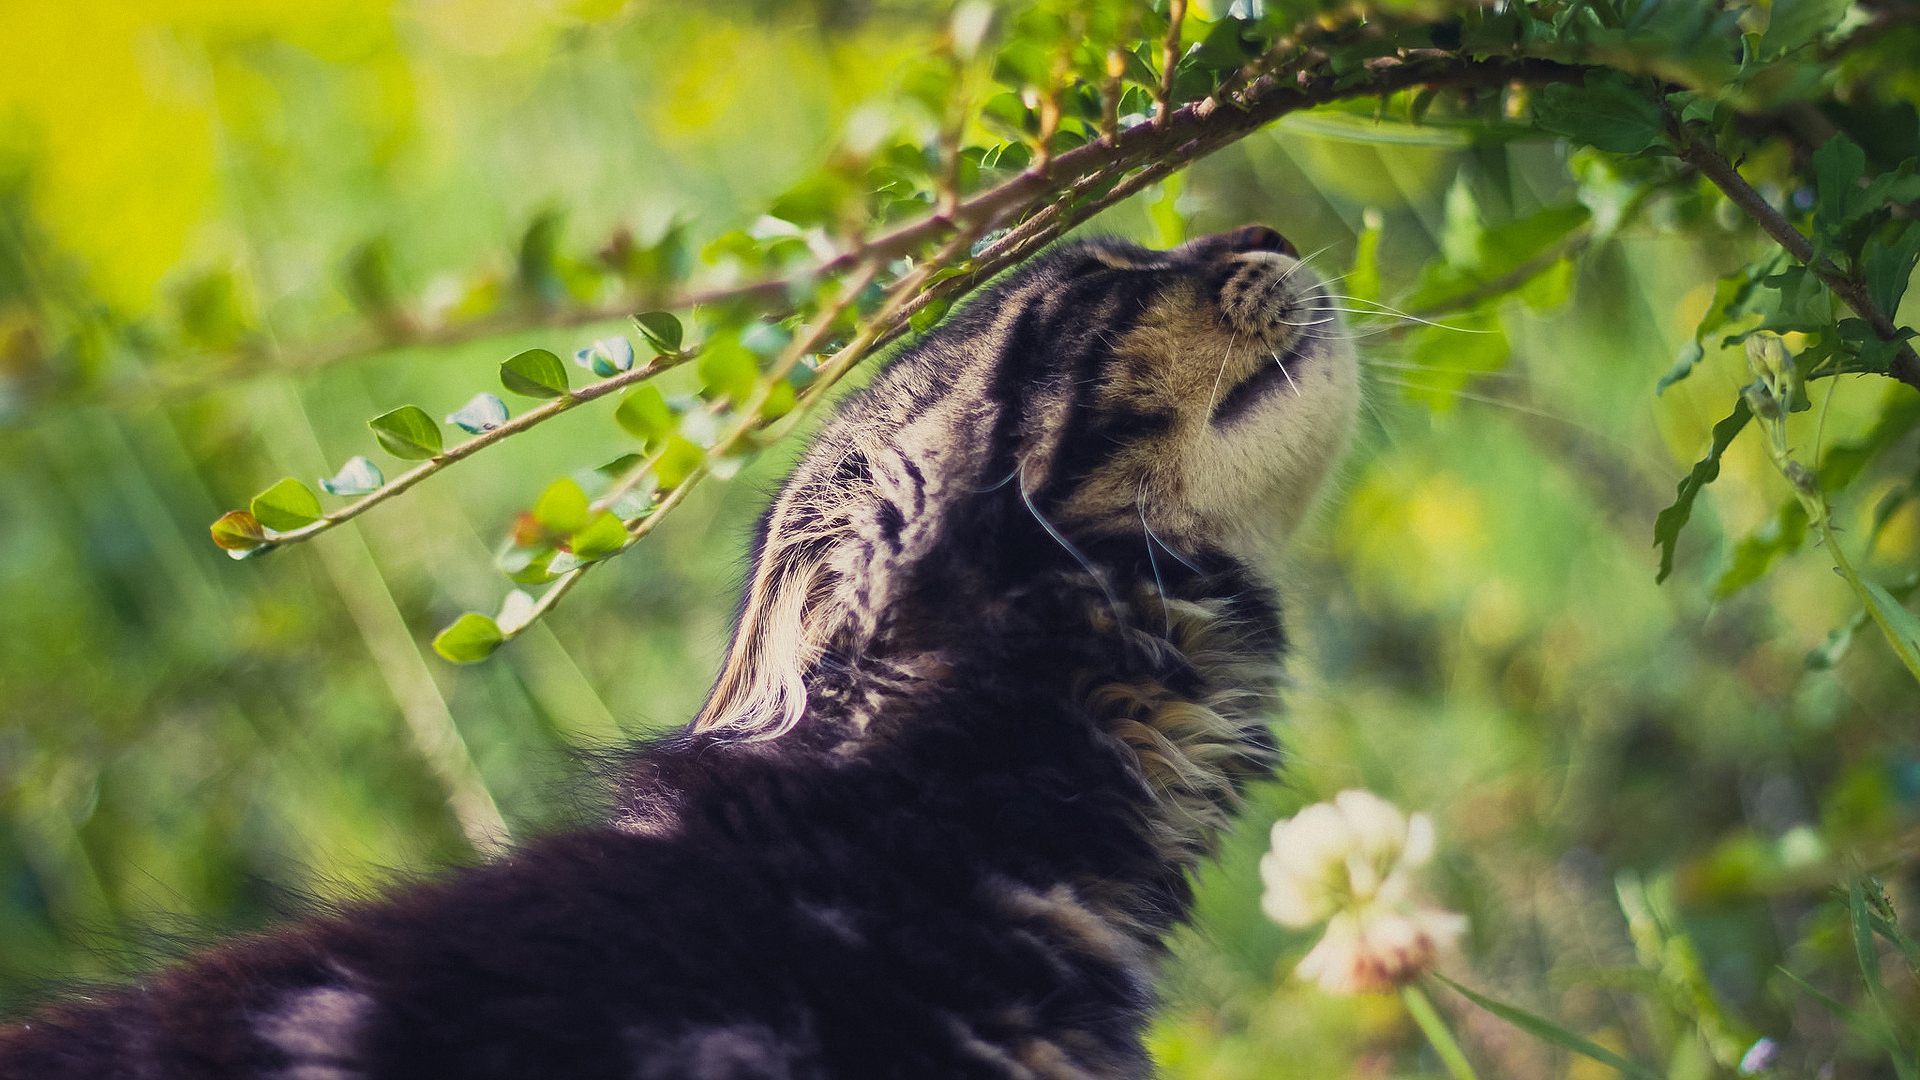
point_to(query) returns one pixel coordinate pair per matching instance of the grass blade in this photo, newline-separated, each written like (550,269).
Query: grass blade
(1542,1028)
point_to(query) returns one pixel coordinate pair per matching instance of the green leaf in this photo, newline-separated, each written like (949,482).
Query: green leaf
(1364,279)
(286,505)
(604,535)
(929,314)
(1889,267)
(1781,535)
(407,432)
(1853,1020)
(677,461)
(1448,357)
(1903,629)
(1868,955)
(1542,1028)
(1549,288)
(728,370)
(1880,912)
(1829,652)
(661,330)
(562,508)
(527,566)
(1692,107)
(1837,169)
(781,398)
(471,639)
(1796,22)
(645,414)
(1613,111)
(1690,354)
(1666,527)
(237,530)
(534,373)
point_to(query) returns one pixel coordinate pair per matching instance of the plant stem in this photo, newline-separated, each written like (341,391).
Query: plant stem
(462,451)
(1435,1029)
(1818,513)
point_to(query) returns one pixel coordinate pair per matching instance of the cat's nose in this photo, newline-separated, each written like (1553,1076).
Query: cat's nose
(1257,238)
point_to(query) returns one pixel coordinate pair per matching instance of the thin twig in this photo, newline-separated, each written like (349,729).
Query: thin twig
(1712,164)
(462,451)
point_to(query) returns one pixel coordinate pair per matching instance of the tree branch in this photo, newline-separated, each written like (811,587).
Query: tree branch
(1712,164)
(1266,98)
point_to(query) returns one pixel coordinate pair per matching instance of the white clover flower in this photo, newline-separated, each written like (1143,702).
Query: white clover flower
(1352,861)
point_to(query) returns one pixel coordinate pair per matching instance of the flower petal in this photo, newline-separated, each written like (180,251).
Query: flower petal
(1288,901)
(1420,840)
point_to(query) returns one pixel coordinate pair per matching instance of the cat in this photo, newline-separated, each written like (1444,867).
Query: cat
(1003,667)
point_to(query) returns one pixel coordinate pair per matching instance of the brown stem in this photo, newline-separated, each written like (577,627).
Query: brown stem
(1712,164)
(1169,57)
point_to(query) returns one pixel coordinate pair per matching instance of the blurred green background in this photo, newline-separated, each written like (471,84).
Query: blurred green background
(190,744)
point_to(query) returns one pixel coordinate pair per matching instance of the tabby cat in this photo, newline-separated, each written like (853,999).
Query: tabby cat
(999,677)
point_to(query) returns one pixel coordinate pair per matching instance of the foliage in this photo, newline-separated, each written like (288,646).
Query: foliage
(1657,791)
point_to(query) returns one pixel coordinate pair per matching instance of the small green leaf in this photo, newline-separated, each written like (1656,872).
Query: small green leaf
(1782,534)
(527,566)
(677,461)
(563,507)
(1690,354)
(1542,1028)
(534,373)
(1613,111)
(604,535)
(1829,652)
(728,370)
(781,398)
(1666,527)
(407,432)
(929,314)
(238,530)
(1889,267)
(286,505)
(1692,107)
(645,414)
(471,639)
(357,477)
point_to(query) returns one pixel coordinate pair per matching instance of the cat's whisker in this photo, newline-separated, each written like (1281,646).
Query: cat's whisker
(1214,398)
(1305,259)
(1288,374)
(1398,365)
(1529,410)
(1388,310)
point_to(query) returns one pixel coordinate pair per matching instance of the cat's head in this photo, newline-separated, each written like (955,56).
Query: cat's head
(1105,395)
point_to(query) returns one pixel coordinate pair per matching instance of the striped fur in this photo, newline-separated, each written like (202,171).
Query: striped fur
(1001,673)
